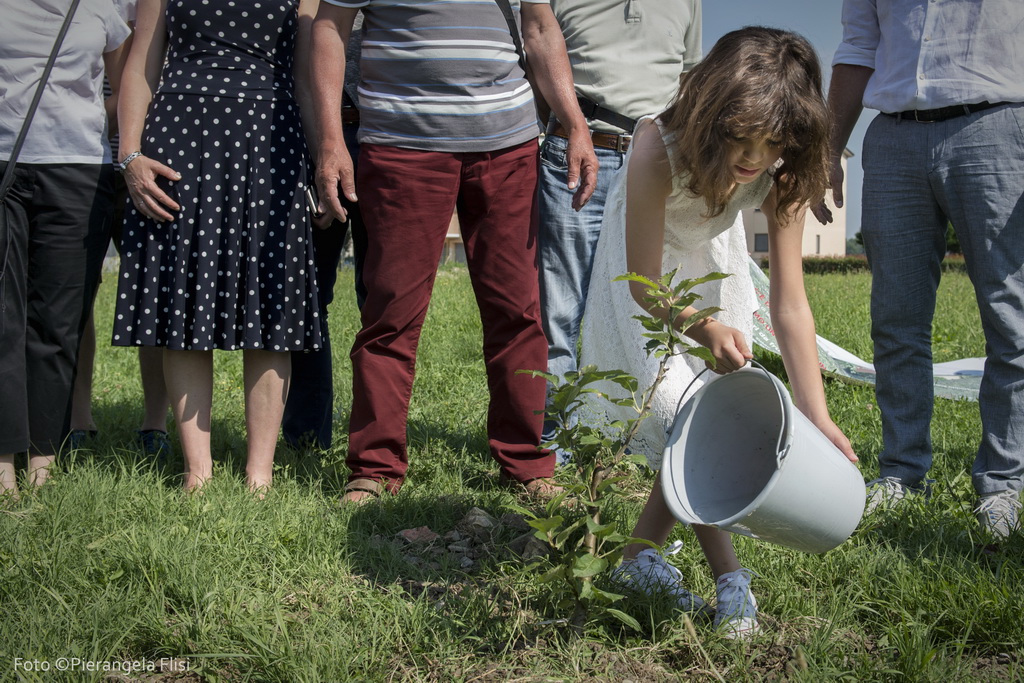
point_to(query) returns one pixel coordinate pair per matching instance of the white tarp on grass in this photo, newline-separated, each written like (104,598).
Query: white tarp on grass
(955,379)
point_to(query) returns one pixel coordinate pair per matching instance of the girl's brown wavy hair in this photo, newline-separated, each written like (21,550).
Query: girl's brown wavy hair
(760,83)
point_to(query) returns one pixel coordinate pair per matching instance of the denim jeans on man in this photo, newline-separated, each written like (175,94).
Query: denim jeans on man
(567,242)
(969,171)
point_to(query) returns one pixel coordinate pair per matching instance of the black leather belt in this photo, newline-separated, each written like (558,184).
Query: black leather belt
(943,113)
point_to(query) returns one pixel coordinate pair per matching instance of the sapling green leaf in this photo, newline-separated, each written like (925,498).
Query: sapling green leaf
(583,545)
(600,530)
(704,354)
(545,525)
(556,573)
(623,617)
(561,540)
(587,565)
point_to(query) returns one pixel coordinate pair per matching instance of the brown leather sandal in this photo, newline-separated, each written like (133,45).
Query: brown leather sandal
(541,489)
(359,491)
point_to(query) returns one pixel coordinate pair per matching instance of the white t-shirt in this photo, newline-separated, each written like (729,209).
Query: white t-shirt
(70,124)
(127,9)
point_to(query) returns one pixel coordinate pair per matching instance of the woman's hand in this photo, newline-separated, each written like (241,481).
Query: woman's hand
(836,436)
(140,176)
(726,344)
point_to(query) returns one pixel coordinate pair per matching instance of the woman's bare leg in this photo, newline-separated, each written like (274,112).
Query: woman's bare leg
(39,467)
(154,390)
(656,522)
(189,378)
(8,480)
(267,374)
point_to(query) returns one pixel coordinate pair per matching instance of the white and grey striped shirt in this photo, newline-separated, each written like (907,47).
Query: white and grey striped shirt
(441,75)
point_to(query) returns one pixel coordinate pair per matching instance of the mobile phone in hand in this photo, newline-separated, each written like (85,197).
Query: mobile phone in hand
(313,201)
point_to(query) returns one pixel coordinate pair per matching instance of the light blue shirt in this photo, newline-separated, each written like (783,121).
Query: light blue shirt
(935,53)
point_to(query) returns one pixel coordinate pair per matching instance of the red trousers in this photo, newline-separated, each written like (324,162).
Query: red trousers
(407,198)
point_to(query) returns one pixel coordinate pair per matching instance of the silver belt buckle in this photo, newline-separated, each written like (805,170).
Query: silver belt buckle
(622,143)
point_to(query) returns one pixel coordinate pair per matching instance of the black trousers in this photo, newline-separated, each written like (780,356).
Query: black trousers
(54,224)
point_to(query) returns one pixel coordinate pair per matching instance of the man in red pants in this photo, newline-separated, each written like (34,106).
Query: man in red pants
(447,119)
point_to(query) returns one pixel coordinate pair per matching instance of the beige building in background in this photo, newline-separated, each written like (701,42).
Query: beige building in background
(819,239)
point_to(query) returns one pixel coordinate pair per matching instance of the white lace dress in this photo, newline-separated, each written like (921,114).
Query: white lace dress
(612,339)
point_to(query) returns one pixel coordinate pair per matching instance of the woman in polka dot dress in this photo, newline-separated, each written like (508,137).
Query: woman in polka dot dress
(216,252)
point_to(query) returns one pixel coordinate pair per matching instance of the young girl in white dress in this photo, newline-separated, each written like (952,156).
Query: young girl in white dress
(748,127)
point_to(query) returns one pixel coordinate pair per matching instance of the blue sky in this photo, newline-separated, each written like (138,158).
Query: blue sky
(820,23)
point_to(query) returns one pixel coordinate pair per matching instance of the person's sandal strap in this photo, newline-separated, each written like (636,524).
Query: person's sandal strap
(370,486)
(540,488)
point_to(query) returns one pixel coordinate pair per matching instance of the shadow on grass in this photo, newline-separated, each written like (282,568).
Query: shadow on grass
(441,458)
(438,457)
(938,530)
(381,557)
(476,597)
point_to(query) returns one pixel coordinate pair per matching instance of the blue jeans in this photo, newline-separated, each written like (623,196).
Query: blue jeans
(968,171)
(567,241)
(309,411)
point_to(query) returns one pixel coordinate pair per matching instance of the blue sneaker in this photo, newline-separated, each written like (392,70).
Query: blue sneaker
(651,574)
(78,437)
(736,609)
(154,443)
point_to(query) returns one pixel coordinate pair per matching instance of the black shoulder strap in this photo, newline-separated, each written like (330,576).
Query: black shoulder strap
(590,109)
(593,110)
(5,184)
(506,10)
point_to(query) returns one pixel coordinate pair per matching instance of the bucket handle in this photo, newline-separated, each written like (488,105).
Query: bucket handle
(782,452)
(679,403)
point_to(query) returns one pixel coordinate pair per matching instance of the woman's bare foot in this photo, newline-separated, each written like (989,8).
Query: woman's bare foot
(259,487)
(39,470)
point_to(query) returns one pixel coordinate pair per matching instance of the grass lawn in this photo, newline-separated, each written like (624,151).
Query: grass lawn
(112,563)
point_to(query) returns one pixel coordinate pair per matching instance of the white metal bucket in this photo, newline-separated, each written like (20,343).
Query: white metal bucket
(742,458)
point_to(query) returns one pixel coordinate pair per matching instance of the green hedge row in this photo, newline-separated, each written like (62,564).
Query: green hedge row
(822,265)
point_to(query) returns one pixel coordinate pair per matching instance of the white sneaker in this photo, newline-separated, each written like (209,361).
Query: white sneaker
(649,573)
(998,514)
(736,609)
(884,493)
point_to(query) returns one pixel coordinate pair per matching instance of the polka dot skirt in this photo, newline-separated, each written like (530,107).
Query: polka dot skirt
(234,270)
